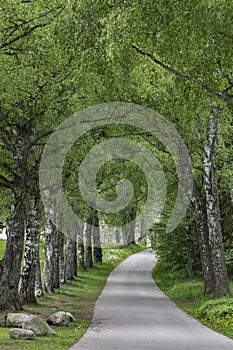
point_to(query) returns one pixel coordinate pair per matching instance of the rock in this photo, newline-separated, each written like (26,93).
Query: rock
(18,333)
(61,318)
(38,326)
(15,319)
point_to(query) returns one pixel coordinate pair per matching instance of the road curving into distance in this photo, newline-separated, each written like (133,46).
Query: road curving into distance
(132,313)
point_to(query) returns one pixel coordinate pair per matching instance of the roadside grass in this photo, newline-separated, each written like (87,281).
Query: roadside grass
(2,247)
(188,295)
(77,296)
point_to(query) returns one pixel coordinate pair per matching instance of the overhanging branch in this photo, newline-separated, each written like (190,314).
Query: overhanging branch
(24,34)
(183,76)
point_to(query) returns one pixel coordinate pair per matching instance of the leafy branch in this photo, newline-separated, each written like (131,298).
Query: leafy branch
(28,31)
(24,34)
(220,95)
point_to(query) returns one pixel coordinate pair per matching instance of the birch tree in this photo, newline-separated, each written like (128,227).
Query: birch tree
(36,86)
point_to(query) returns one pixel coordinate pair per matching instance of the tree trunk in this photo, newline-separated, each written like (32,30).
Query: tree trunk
(71,258)
(62,259)
(56,270)
(191,252)
(81,247)
(125,228)
(118,235)
(143,228)
(49,254)
(132,217)
(125,232)
(199,208)
(27,289)
(38,279)
(96,238)
(88,246)
(10,265)
(221,285)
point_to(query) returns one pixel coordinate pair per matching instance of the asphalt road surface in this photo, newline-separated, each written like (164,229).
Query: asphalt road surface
(132,313)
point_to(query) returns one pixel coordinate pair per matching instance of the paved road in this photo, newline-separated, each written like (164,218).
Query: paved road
(132,313)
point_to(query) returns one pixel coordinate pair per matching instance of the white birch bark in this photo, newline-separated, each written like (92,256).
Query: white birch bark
(221,285)
(27,288)
(10,265)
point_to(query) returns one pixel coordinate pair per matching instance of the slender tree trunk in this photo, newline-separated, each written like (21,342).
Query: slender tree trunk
(27,289)
(71,258)
(38,278)
(199,208)
(125,232)
(10,265)
(75,272)
(143,228)
(132,217)
(125,228)
(62,259)
(118,235)
(49,254)
(81,247)
(96,238)
(56,270)
(191,252)
(88,246)
(221,284)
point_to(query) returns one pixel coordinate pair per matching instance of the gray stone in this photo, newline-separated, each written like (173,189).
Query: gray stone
(61,318)
(38,326)
(18,333)
(15,319)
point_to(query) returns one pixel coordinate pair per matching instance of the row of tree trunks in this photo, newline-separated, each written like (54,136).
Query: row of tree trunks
(61,255)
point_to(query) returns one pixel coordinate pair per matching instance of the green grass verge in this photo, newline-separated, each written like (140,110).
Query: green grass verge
(78,297)
(2,247)
(188,295)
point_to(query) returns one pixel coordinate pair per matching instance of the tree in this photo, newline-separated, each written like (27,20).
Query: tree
(221,286)
(36,86)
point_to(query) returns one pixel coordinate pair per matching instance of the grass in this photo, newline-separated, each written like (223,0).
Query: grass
(188,295)
(77,296)
(2,247)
